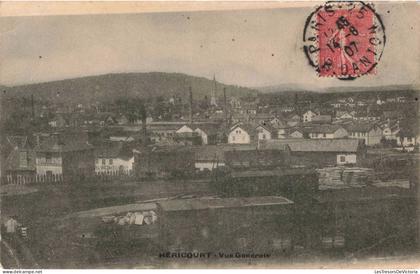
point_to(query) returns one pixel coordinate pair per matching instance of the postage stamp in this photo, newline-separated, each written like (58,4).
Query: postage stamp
(344,39)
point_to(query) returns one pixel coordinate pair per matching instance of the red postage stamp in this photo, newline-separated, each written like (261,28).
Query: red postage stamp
(344,39)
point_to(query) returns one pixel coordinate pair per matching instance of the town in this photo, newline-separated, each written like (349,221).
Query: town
(335,170)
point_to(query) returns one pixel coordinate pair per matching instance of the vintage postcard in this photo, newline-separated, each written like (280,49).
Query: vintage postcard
(210,135)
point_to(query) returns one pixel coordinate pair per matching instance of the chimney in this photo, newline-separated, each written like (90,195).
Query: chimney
(226,107)
(191,105)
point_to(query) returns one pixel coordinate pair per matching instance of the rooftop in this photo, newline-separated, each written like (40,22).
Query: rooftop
(362,194)
(213,203)
(323,128)
(314,145)
(217,152)
(271,172)
(267,126)
(360,127)
(250,129)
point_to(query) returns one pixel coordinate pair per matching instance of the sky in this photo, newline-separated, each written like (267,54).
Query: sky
(248,48)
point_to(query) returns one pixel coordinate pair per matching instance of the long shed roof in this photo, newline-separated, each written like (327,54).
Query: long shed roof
(315,145)
(212,203)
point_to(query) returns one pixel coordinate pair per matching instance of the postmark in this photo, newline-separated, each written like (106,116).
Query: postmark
(344,39)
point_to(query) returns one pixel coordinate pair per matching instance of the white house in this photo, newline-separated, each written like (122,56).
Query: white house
(390,131)
(308,116)
(343,115)
(185,129)
(379,101)
(241,134)
(112,158)
(408,138)
(369,132)
(295,133)
(265,132)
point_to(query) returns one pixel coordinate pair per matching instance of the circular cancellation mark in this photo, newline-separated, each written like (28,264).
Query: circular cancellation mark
(344,39)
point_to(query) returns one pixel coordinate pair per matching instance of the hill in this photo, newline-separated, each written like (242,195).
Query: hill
(107,87)
(294,88)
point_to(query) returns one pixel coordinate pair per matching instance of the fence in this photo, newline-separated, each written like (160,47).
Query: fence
(113,175)
(32,179)
(105,176)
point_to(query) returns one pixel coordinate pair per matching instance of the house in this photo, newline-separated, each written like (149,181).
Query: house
(119,135)
(187,135)
(361,103)
(209,133)
(106,119)
(58,121)
(122,120)
(379,101)
(343,115)
(250,108)
(320,152)
(286,108)
(242,134)
(370,132)
(113,157)
(65,154)
(77,119)
(390,130)
(408,137)
(368,115)
(336,104)
(349,100)
(121,138)
(21,160)
(238,156)
(265,132)
(322,119)
(249,156)
(326,131)
(293,120)
(278,123)
(185,129)
(294,133)
(100,119)
(162,132)
(308,116)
